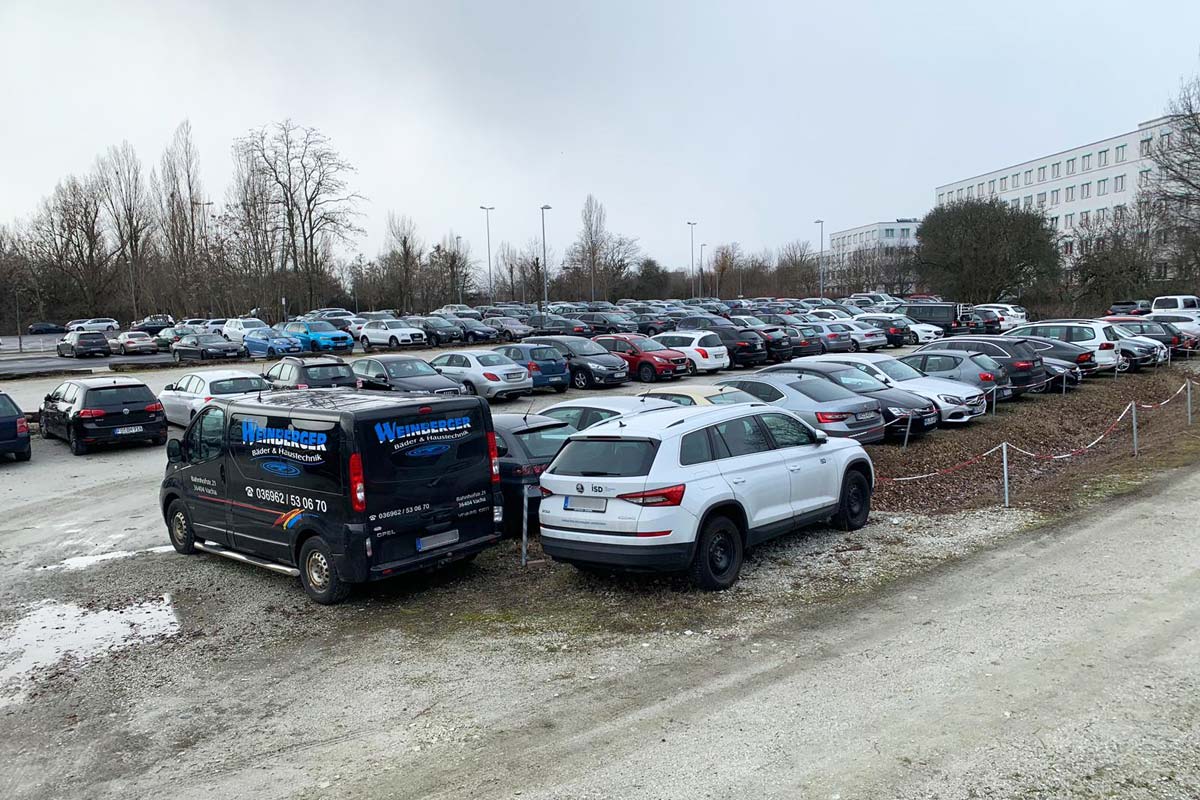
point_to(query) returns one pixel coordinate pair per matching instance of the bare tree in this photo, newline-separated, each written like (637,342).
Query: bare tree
(797,269)
(126,199)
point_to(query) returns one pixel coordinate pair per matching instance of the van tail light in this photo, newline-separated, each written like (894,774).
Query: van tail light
(491,376)
(1107,346)
(22,426)
(832,416)
(668,496)
(987,376)
(493,456)
(703,353)
(1022,365)
(91,413)
(533,367)
(156,407)
(358,486)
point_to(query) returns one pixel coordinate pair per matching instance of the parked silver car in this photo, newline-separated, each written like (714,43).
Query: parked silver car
(864,337)
(485,373)
(978,369)
(832,341)
(821,403)
(955,401)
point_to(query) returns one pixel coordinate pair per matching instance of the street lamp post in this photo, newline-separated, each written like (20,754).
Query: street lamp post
(692,239)
(487,217)
(545,265)
(458,270)
(702,246)
(821,259)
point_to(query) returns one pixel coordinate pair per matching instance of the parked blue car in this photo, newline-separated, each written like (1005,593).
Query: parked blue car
(14,430)
(320,337)
(270,342)
(546,365)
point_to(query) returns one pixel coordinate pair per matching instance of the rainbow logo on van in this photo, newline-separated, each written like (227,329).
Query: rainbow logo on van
(288,519)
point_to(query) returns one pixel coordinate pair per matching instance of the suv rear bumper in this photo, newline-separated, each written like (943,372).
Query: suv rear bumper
(640,558)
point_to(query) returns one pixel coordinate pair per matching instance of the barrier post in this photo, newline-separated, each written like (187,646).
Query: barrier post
(995,389)
(1189,400)
(524,529)
(907,429)
(1064,382)
(1004,461)
(1133,406)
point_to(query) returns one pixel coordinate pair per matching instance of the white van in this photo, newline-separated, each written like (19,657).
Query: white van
(1187,303)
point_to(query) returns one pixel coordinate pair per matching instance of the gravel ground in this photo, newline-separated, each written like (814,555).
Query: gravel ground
(977,653)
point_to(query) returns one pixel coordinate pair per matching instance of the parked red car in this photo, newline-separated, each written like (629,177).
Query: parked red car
(648,359)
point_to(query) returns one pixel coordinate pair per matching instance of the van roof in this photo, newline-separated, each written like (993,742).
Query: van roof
(338,402)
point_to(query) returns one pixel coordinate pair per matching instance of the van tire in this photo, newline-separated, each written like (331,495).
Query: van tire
(854,505)
(318,574)
(179,528)
(717,562)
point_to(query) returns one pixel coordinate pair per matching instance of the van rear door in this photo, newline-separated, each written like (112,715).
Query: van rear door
(428,476)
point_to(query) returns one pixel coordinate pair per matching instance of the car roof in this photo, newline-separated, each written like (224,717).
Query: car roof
(863,358)
(334,403)
(622,405)
(102,383)
(314,361)
(675,420)
(699,391)
(802,363)
(221,374)
(519,423)
(475,353)
(394,357)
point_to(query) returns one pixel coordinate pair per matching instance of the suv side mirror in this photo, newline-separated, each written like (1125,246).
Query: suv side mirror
(170,387)
(822,437)
(174,451)
(48,398)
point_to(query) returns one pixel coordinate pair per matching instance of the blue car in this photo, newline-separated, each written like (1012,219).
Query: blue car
(14,430)
(270,342)
(320,337)
(546,365)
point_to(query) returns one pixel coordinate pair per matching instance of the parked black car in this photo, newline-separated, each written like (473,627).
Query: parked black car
(898,333)
(779,344)
(608,322)
(511,328)
(206,347)
(1080,356)
(14,430)
(77,344)
(986,321)
(944,315)
(402,374)
(746,348)
(37,328)
(317,372)
(590,364)
(555,325)
(526,444)
(437,330)
(91,411)
(806,340)
(476,331)
(652,324)
(153,324)
(703,322)
(1024,365)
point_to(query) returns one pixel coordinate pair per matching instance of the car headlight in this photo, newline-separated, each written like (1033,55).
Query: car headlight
(951,399)
(594,365)
(899,412)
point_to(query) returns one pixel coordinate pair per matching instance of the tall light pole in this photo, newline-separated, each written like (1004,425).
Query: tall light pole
(487,217)
(692,238)
(458,270)
(545,266)
(821,260)
(702,246)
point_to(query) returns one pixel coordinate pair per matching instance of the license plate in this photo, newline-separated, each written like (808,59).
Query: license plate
(681,368)
(619,374)
(556,378)
(866,415)
(579,503)
(514,376)
(436,540)
(929,420)
(130,429)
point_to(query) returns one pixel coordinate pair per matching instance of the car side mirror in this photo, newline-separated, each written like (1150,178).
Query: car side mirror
(822,437)
(170,387)
(439,370)
(48,398)
(174,451)
(379,376)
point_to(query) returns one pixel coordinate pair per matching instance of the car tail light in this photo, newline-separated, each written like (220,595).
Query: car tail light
(91,413)
(533,367)
(301,385)
(835,336)
(832,416)
(741,344)
(1083,358)
(1107,346)
(953,324)
(156,407)
(22,426)
(358,486)
(804,342)
(987,376)
(545,492)
(491,376)
(1022,365)
(893,331)
(525,470)
(494,456)
(578,329)
(1174,340)
(703,353)
(668,496)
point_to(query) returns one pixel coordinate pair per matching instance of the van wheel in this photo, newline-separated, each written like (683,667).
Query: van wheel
(179,528)
(855,504)
(581,379)
(646,373)
(318,574)
(718,559)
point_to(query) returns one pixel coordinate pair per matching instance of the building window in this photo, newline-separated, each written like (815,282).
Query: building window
(1054,223)
(979,190)
(1041,174)
(1144,146)
(1102,158)
(1164,141)
(1041,199)
(1015,203)
(1016,180)
(1029,201)
(1085,162)
(1102,186)
(1055,169)
(1070,194)
(970,192)
(1101,214)
(1119,183)
(904,233)
(889,233)
(1028,177)
(1070,166)
(1085,191)
(1144,178)
(992,186)
(1083,218)
(1069,221)
(1004,184)
(1068,247)
(959,194)
(1120,153)
(1118,213)
(941,197)
(1054,197)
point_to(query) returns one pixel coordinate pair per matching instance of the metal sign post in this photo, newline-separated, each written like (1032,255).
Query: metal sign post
(524,529)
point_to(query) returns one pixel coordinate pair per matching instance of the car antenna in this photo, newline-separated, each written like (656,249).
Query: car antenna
(525,416)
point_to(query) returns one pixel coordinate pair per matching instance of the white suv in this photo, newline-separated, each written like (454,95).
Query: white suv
(236,327)
(389,333)
(1099,337)
(704,349)
(687,489)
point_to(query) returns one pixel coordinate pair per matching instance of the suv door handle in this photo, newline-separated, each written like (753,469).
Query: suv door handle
(793,467)
(737,480)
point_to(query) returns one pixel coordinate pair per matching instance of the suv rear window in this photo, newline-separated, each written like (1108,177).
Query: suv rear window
(119,396)
(605,458)
(92,337)
(545,442)
(7,407)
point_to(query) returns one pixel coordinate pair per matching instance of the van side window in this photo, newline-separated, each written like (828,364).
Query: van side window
(287,452)
(206,435)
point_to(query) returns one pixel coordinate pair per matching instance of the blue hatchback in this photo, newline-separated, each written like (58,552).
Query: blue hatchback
(546,365)
(270,342)
(14,430)
(320,337)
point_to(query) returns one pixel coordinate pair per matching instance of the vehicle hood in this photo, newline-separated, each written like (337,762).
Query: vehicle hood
(928,387)
(898,397)
(424,383)
(607,360)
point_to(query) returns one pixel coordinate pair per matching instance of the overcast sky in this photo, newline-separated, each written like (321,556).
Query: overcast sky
(754,119)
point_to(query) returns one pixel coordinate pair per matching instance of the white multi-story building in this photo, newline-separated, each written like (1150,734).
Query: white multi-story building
(881,239)
(1073,188)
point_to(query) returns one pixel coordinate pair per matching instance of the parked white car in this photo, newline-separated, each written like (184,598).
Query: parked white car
(688,489)
(1185,303)
(591,410)
(1099,337)
(97,324)
(183,399)
(704,349)
(485,373)
(1010,316)
(216,326)
(235,329)
(955,401)
(389,333)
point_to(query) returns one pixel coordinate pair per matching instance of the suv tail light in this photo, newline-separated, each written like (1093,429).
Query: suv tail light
(1107,346)
(545,492)
(668,496)
(156,406)
(987,376)
(491,376)
(22,426)
(91,413)
(1022,365)
(358,487)
(703,353)
(493,456)
(741,344)
(832,416)
(533,367)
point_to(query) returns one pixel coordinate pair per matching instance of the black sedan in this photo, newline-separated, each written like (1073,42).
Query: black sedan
(205,347)
(402,374)
(476,331)
(526,444)
(1080,356)
(555,325)
(44,327)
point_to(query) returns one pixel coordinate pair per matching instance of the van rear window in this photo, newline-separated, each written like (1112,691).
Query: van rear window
(413,445)
(605,458)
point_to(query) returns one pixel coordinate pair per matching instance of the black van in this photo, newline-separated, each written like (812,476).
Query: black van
(335,486)
(946,316)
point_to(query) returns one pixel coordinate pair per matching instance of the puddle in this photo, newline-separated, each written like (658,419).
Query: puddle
(83,562)
(53,631)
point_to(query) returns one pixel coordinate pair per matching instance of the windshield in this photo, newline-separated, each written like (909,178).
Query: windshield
(856,381)
(502,320)
(587,348)
(544,443)
(494,360)
(438,322)
(730,396)
(249,383)
(409,368)
(751,321)
(321,327)
(649,345)
(253,323)
(209,338)
(395,323)
(7,407)
(897,370)
(605,458)
(821,391)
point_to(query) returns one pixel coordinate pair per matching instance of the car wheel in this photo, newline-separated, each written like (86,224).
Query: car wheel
(560,389)
(910,339)
(853,346)
(123,350)
(581,379)
(646,373)
(392,342)
(824,349)
(507,336)
(470,387)
(692,368)
(110,329)
(203,356)
(24,455)
(43,428)
(318,575)
(271,352)
(435,340)
(718,559)
(854,507)
(78,448)
(176,356)
(179,528)
(651,331)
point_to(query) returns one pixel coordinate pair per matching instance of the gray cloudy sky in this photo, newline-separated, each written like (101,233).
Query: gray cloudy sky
(752,118)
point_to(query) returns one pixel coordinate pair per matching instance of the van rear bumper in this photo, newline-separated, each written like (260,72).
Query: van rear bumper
(430,560)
